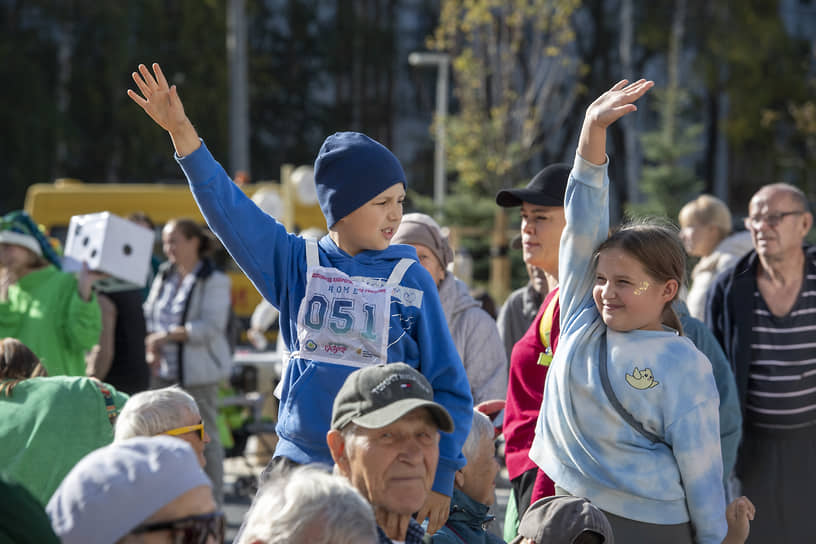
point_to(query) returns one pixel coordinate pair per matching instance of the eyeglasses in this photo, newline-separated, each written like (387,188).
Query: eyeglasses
(188,429)
(190,530)
(771,219)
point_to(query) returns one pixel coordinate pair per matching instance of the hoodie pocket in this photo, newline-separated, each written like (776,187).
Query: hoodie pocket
(306,413)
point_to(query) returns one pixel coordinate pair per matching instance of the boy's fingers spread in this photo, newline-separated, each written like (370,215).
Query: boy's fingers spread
(141,84)
(136,98)
(147,76)
(159,74)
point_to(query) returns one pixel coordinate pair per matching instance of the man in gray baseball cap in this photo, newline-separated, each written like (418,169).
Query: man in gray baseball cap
(384,438)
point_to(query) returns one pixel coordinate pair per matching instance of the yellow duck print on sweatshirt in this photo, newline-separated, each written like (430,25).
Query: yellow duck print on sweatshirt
(641,379)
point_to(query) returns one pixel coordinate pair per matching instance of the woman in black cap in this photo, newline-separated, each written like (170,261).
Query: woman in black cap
(542,220)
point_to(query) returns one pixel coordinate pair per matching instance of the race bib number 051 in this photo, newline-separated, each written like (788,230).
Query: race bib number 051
(343,321)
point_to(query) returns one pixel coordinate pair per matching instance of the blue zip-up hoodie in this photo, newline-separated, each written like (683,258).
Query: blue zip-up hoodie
(275,262)
(581,441)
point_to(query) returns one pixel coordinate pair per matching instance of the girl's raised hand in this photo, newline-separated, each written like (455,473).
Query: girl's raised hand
(616,102)
(605,110)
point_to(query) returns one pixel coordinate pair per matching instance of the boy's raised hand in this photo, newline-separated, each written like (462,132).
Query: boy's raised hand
(605,110)
(162,103)
(436,509)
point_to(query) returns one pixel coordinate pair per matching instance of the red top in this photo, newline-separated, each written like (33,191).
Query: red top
(529,362)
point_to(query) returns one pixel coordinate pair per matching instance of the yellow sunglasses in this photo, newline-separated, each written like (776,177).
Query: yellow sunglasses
(188,429)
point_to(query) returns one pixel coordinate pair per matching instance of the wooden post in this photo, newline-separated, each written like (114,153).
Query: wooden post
(499,260)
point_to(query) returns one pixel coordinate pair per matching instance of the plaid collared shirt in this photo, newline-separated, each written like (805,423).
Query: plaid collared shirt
(413,536)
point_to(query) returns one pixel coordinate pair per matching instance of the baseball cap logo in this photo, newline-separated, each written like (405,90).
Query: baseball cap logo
(405,382)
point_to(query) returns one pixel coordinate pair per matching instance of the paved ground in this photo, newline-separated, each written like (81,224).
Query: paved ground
(238,471)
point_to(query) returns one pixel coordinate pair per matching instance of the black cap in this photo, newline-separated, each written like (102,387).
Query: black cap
(547,188)
(376,396)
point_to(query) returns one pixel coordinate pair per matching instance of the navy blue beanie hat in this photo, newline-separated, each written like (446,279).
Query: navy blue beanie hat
(350,170)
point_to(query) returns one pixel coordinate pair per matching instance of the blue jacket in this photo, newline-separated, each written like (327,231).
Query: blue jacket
(730,410)
(275,262)
(581,441)
(466,523)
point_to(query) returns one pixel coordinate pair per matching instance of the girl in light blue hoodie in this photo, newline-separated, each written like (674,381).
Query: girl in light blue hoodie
(630,412)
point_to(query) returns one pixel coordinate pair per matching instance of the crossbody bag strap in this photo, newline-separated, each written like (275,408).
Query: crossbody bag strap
(616,404)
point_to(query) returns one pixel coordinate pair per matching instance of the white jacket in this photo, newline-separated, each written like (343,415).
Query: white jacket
(709,267)
(205,357)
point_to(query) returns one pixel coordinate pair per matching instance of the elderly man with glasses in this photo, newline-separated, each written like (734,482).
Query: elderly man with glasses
(763,312)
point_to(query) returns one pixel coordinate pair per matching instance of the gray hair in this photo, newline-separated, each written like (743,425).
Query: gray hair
(306,504)
(350,433)
(153,412)
(481,428)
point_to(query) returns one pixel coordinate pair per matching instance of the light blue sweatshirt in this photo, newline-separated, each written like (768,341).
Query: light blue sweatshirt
(275,261)
(581,442)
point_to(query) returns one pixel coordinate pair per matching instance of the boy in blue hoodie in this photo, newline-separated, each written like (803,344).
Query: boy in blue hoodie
(347,301)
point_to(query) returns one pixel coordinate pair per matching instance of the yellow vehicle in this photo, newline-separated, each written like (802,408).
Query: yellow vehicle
(53,204)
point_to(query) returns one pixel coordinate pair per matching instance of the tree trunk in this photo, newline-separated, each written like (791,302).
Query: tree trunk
(630,140)
(673,69)
(65,53)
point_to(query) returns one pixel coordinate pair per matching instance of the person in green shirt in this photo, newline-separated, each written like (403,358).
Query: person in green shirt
(53,312)
(48,424)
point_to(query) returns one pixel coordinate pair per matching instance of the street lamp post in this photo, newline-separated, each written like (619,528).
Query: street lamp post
(442,63)
(238,86)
